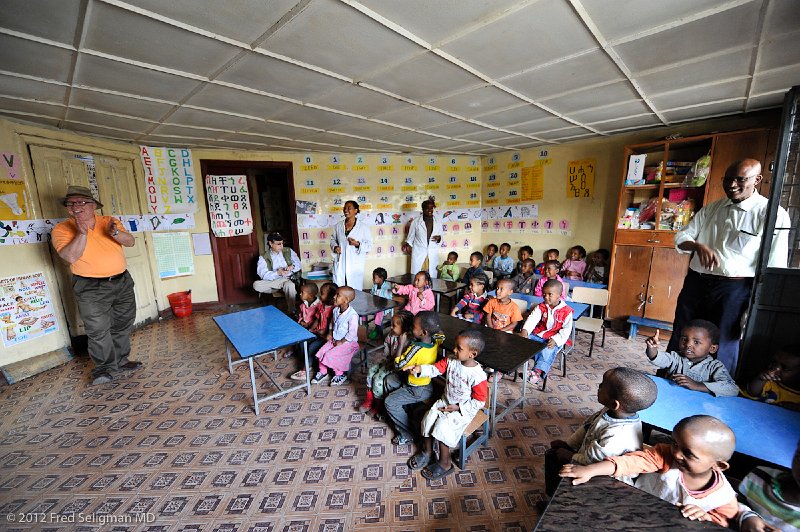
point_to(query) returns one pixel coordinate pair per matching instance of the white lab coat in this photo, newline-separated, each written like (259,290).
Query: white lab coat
(348,266)
(421,247)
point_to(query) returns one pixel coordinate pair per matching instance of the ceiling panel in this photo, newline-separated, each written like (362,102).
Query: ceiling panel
(189,132)
(620,18)
(108,132)
(693,95)
(92,71)
(780,51)
(36,90)
(586,69)
(673,77)
(513,115)
(443,145)
(119,104)
(455,129)
(366,128)
(593,97)
(728,29)
(51,63)
(318,118)
(90,117)
(541,124)
(39,120)
(566,132)
(610,112)
(488,135)
(627,123)
(338,38)
(474,102)
(125,34)
(766,101)
(194,117)
(783,16)
(513,43)
(715,109)
(357,100)
(238,101)
(424,18)
(416,118)
(243,20)
(271,75)
(776,80)
(432,77)
(39,108)
(36,18)
(278,130)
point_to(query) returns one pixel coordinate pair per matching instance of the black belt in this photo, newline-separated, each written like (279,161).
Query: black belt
(112,278)
(712,277)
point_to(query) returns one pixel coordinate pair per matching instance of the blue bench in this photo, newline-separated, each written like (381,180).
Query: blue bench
(636,321)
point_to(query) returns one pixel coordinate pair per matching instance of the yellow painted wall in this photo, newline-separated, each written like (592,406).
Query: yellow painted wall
(592,219)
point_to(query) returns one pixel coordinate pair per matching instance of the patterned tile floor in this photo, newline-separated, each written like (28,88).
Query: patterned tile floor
(177,444)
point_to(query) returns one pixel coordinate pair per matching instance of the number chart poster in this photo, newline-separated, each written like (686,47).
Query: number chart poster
(169,179)
(229,205)
(26,310)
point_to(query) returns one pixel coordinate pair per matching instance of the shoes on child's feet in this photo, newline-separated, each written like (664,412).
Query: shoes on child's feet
(298,375)
(401,440)
(320,378)
(535,375)
(338,380)
(373,334)
(366,406)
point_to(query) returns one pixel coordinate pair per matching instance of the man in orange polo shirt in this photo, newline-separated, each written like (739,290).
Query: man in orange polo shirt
(92,245)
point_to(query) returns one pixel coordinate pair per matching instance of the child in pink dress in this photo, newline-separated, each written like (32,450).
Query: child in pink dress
(550,271)
(575,265)
(342,342)
(420,295)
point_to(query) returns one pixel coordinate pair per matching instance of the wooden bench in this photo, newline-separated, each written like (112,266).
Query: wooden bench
(636,321)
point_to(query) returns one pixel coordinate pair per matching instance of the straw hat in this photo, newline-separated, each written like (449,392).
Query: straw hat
(76,191)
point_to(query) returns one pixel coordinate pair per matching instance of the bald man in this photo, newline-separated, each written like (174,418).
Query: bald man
(724,238)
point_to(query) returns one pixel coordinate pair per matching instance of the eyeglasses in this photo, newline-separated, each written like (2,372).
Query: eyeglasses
(69,204)
(740,179)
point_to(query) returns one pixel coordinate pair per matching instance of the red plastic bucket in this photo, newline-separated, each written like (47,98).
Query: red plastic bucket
(181,303)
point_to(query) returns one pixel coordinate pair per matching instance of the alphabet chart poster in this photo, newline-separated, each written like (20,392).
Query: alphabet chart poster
(580,178)
(229,205)
(169,179)
(26,311)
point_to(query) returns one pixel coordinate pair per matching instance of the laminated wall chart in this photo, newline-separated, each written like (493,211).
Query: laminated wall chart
(26,311)
(173,254)
(169,180)
(229,205)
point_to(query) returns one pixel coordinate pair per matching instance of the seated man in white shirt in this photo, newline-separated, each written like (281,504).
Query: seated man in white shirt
(276,269)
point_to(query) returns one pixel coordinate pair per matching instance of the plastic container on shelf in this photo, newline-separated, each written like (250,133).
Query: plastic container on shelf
(181,303)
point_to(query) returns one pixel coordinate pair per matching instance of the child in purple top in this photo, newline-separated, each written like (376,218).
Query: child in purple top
(420,296)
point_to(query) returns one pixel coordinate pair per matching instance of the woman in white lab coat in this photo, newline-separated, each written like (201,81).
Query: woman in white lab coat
(350,242)
(424,240)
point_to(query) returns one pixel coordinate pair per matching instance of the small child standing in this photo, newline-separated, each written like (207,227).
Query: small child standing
(525,252)
(550,270)
(448,270)
(503,265)
(420,296)
(551,323)
(405,390)
(779,384)
(470,307)
(597,269)
(550,254)
(382,288)
(687,473)
(502,313)
(491,252)
(393,347)
(475,260)
(614,430)
(694,367)
(465,394)
(319,324)
(342,342)
(575,265)
(525,281)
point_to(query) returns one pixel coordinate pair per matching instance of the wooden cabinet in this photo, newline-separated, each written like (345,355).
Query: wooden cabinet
(647,272)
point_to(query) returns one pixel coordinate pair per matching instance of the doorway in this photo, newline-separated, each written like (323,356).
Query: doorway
(271,189)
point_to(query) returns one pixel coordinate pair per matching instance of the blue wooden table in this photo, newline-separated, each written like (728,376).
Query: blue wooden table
(258,332)
(762,430)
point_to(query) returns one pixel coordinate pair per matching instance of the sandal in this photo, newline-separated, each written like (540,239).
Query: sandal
(435,471)
(418,461)
(401,440)
(298,375)
(534,377)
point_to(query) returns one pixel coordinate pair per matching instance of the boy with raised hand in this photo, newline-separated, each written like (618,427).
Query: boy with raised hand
(614,430)
(694,367)
(465,393)
(687,473)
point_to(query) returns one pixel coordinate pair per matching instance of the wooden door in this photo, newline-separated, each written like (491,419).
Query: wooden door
(667,270)
(631,269)
(119,195)
(55,170)
(732,147)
